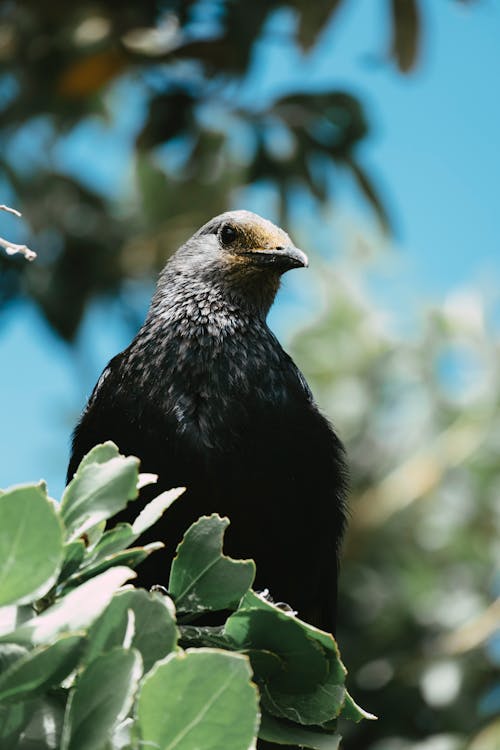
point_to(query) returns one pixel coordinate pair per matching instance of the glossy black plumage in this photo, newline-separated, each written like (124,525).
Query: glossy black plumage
(207,398)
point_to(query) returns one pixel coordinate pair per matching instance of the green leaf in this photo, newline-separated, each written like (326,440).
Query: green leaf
(121,738)
(304,661)
(251,600)
(40,669)
(75,612)
(101,699)
(112,541)
(202,577)
(74,553)
(264,663)
(150,514)
(99,454)
(123,534)
(92,535)
(9,654)
(129,557)
(308,687)
(31,544)
(11,618)
(146,478)
(13,719)
(43,731)
(283,733)
(351,710)
(319,705)
(200,698)
(99,490)
(155,633)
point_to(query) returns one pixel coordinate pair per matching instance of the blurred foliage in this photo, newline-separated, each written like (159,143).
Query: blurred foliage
(196,140)
(419,622)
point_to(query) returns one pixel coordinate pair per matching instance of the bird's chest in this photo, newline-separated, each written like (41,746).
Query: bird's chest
(213,392)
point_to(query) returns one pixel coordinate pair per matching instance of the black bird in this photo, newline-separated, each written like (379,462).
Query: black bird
(206,397)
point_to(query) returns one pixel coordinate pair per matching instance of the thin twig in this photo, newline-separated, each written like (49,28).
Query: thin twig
(10,210)
(10,247)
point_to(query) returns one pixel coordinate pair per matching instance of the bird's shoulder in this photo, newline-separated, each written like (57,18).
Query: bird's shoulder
(292,378)
(107,382)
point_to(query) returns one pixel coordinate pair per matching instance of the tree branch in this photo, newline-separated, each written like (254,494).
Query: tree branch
(10,247)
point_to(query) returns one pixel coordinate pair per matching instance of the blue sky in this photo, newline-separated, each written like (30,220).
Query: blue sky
(434,149)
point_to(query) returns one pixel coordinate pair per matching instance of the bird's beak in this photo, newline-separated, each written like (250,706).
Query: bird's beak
(280,258)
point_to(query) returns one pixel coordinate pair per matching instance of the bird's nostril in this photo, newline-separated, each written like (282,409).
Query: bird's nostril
(279,247)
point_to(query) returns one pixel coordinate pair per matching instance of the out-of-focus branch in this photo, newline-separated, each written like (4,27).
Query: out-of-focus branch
(10,247)
(422,472)
(473,633)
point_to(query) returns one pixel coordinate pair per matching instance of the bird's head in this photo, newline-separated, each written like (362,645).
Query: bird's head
(240,253)
(249,243)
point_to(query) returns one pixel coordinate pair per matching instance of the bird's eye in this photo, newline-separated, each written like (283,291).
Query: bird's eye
(228,234)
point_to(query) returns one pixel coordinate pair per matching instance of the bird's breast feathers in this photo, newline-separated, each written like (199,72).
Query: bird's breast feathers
(209,387)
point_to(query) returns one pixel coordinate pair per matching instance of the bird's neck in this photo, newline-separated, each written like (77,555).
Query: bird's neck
(215,308)
(208,356)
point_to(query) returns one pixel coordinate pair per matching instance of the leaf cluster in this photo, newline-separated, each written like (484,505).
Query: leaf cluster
(88,661)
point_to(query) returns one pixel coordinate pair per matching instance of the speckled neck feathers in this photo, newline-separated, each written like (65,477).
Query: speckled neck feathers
(201,349)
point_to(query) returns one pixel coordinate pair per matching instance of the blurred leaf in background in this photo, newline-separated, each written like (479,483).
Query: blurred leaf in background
(419,583)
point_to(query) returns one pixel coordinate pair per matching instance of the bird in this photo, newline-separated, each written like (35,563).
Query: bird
(208,399)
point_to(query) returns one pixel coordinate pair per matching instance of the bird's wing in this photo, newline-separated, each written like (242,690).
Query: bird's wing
(322,476)
(96,423)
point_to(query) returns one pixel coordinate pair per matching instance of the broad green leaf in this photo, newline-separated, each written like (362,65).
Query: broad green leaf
(92,535)
(121,536)
(202,577)
(155,633)
(282,733)
(321,704)
(97,492)
(251,600)
(11,618)
(112,541)
(99,454)
(13,718)
(264,663)
(9,654)
(145,479)
(74,553)
(201,698)
(309,688)
(101,699)
(31,544)
(75,612)
(154,510)
(130,557)
(40,669)
(351,710)
(43,731)
(8,619)
(304,661)
(121,739)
